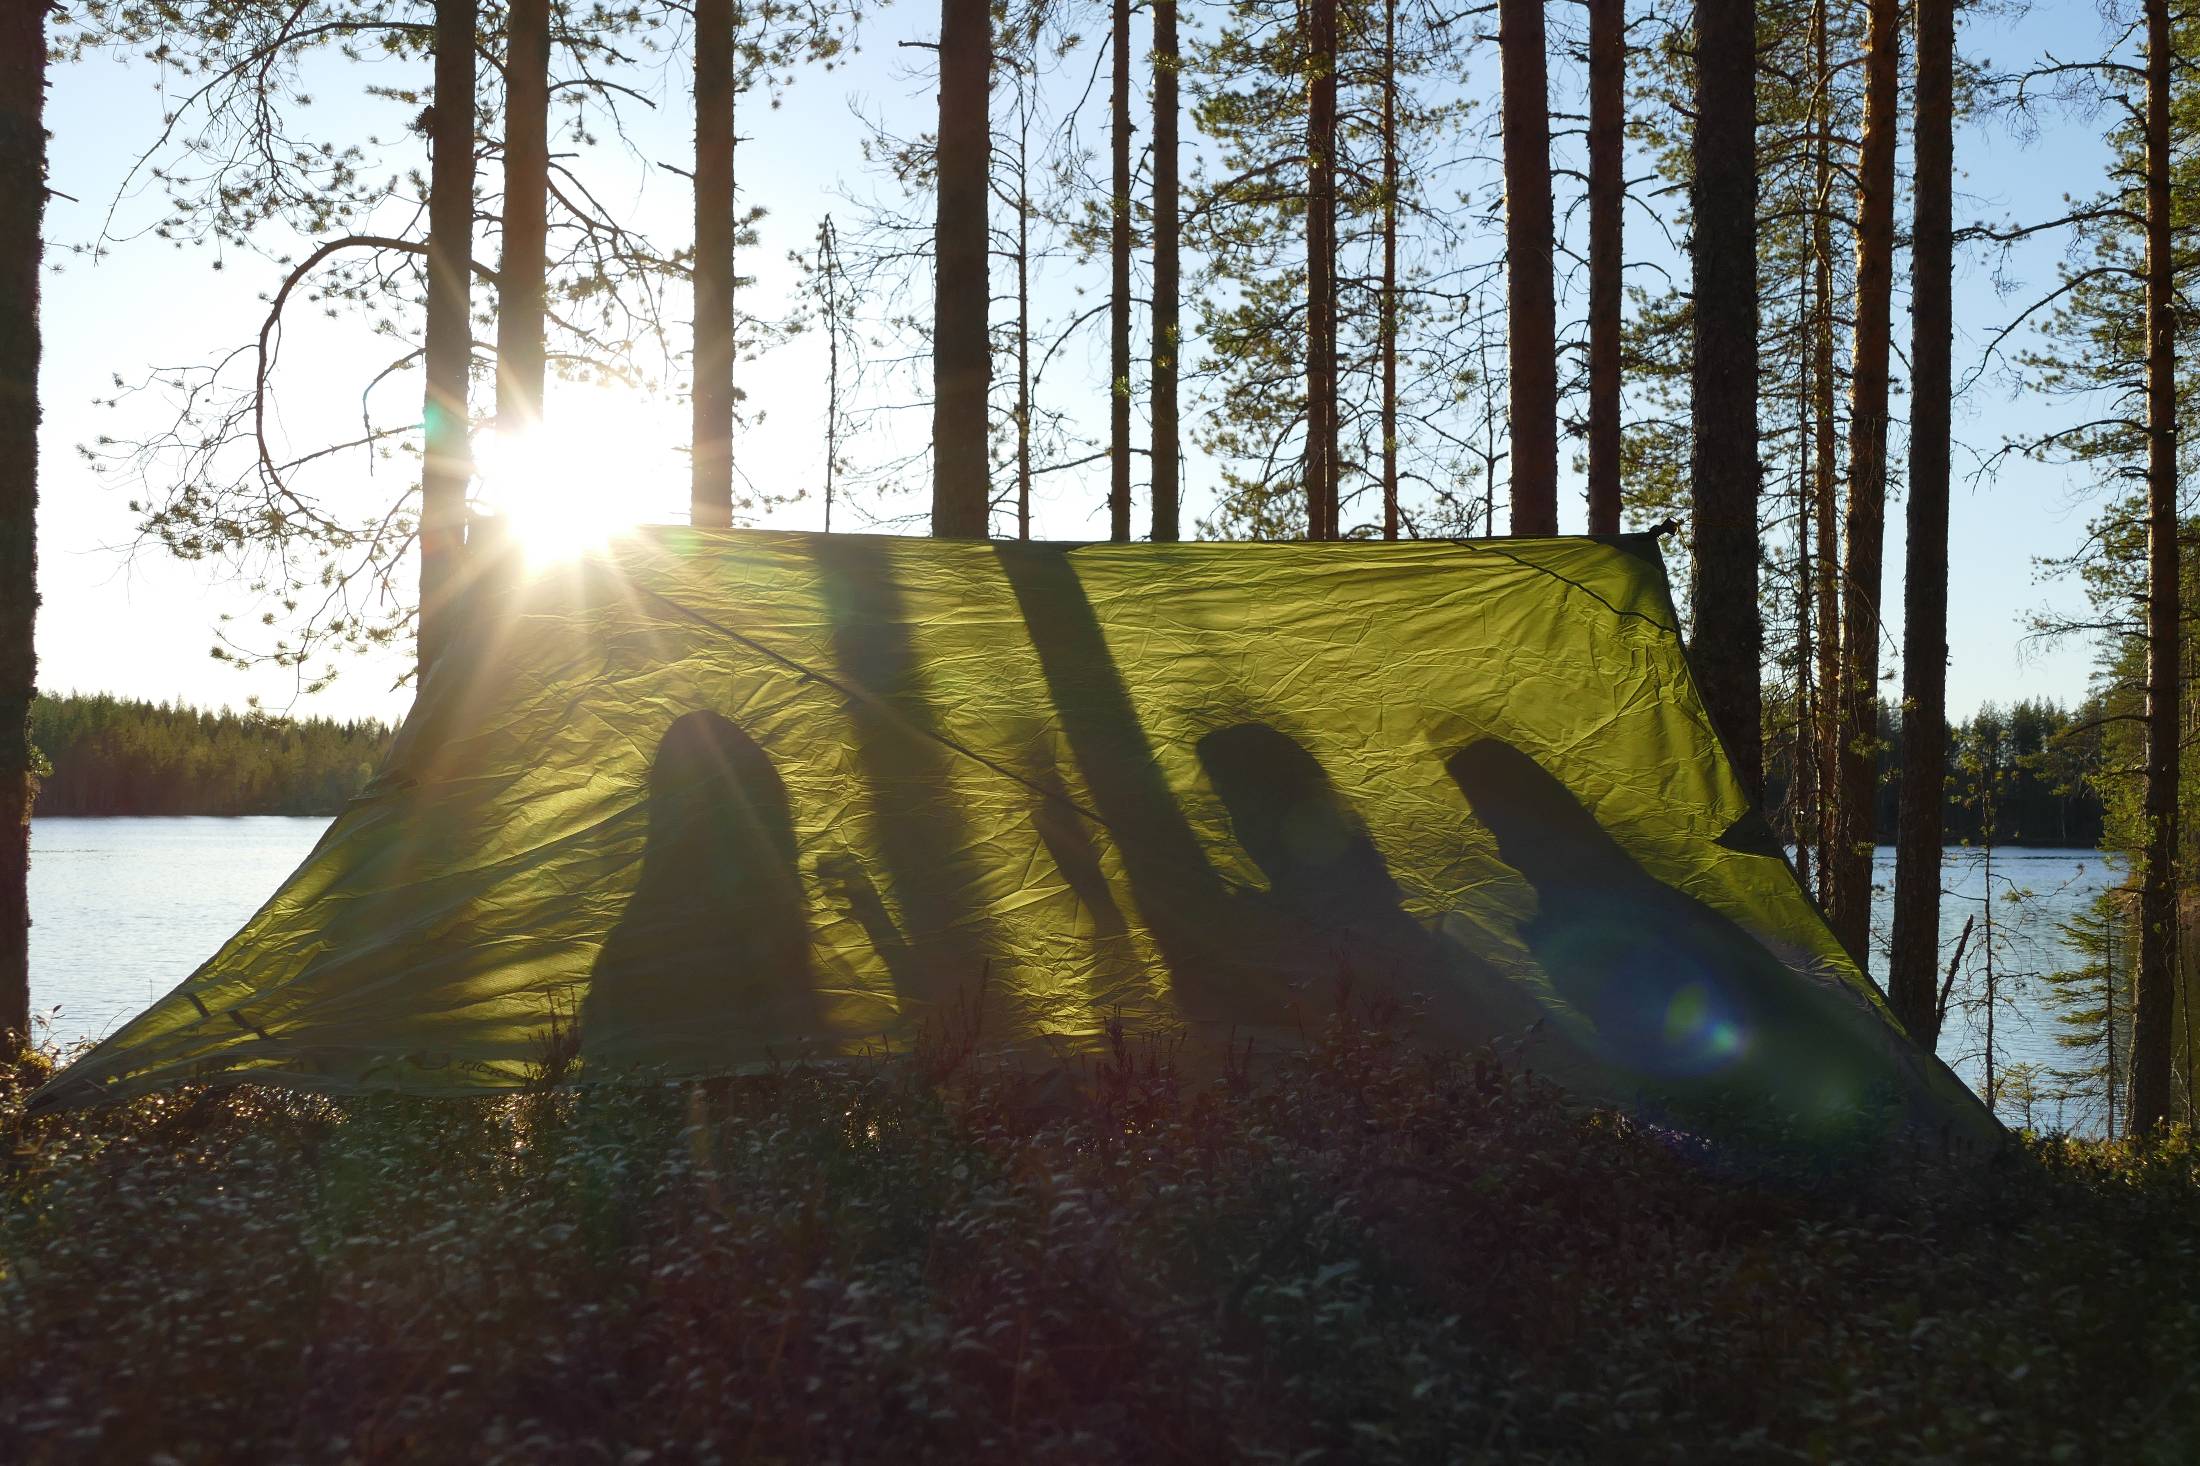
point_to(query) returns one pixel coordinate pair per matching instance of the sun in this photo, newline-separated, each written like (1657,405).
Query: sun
(572,482)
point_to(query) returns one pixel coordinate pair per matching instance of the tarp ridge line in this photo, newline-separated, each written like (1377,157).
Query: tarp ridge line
(1482,547)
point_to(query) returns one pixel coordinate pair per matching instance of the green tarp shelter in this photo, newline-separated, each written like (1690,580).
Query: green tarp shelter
(703,802)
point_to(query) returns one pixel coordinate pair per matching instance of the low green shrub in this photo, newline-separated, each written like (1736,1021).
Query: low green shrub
(1363,1253)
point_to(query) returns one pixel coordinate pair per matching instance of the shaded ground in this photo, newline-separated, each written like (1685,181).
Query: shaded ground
(1365,1255)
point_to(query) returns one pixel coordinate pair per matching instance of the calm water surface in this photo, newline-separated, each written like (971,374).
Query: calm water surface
(124,909)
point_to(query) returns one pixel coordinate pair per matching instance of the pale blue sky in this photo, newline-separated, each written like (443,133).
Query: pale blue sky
(142,626)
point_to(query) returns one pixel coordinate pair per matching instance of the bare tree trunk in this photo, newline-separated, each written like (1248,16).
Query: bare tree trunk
(1867,509)
(1023,315)
(1321,273)
(1388,326)
(1607,199)
(710,460)
(1825,451)
(1803,801)
(1168,227)
(1119,303)
(447,461)
(828,263)
(1911,971)
(1729,635)
(2155,990)
(1531,311)
(962,364)
(521,268)
(22,221)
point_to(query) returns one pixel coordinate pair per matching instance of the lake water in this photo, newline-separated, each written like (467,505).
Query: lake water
(124,909)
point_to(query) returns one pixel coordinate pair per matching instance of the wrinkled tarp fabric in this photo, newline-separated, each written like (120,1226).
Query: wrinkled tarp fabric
(705,801)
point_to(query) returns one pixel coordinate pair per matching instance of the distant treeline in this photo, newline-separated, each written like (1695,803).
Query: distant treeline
(110,756)
(2032,767)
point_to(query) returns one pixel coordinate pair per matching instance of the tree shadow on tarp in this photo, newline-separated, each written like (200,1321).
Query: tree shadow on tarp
(713,949)
(923,840)
(1327,879)
(1681,1003)
(1227,960)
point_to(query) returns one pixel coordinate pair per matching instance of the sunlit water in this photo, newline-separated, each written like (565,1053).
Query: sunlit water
(126,908)
(2036,893)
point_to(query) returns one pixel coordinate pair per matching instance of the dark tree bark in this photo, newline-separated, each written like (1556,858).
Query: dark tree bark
(1724,470)
(1913,971)
(1531,315)
(447,460)
(22,221)
(710,460)
(1867,508)
(1825,454)
(1167,234)
(1023,315)
(1119,302)
(828,266)
(962,362)
(1387,327)
(521,267)
(2155,989)
(1607,199)
(1321,272)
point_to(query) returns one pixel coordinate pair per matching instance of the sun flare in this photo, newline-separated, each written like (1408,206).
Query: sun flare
(572,482)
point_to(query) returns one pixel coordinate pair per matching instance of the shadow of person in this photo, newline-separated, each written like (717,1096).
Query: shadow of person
(1327,879)
(711,958)
(1677,996)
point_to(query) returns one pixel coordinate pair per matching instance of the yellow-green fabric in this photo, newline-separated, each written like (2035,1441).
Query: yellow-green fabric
(705,801)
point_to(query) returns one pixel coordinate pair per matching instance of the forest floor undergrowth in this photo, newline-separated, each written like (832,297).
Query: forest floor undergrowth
(1365,1254)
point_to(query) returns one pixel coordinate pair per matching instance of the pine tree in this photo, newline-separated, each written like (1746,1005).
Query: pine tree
(447,459)
(2092,1003)
(1911,967)
(962,368)
(1531,314)
(22,216)
(522,265)
(1728,635)
(710,492)
(1168,231)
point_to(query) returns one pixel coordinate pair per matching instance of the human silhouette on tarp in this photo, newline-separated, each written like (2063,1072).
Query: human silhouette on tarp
(1329,882)
(1674,991)
(712,954)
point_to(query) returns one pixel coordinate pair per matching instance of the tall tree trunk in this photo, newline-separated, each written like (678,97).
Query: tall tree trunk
(521,268)
(1803,802)
(1388,326)
(1607,198)
(1867,509)
(22,221)
(961,357)
(447,461)
(1119,303)
(1531,314)
(1167,232)
(1825,452)
(1023,311)
(1729,635)
(1321,272)
(710,460)
(2155,989)
(828,263)
(1912,970)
